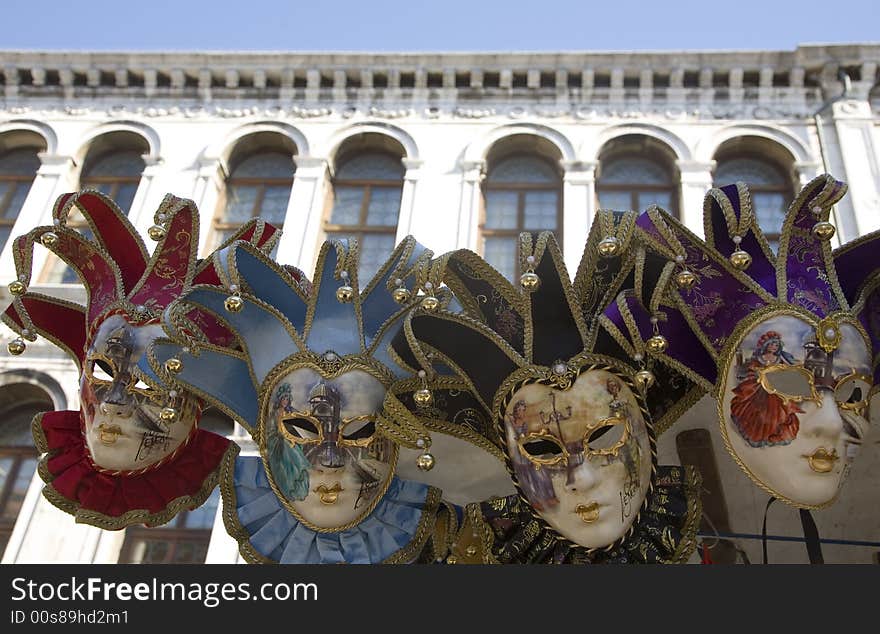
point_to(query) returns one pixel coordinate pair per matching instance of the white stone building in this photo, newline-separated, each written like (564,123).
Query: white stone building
(459,149)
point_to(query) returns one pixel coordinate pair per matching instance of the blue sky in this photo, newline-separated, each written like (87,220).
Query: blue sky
(445,25)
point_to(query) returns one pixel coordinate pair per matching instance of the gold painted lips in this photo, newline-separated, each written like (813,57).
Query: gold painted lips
(588,513)
(329,495)
(821,460)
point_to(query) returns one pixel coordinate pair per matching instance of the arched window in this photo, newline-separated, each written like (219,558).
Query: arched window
(113,166)
(259,185)
(770,188)
(19,403)
(17,170)
(185,539)
(116,173)
(367,188)
(522,192)
(635,172)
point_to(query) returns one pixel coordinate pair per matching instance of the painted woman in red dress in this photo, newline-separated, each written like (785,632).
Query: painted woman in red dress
(764,419)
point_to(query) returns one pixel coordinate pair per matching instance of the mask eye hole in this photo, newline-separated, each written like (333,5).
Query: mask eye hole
(852,392)
(303,429)
(101,370)
(359,431)
(607,437)
(793,383)
(542,449)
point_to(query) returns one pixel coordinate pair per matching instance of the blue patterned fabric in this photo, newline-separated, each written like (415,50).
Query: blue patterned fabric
(277,535)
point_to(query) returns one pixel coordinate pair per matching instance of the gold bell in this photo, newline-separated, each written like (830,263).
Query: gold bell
(530,281)
(174,365)
(401,295)
(49,239)
(430,302)
(740,259)
(345,293)
(425,462)
(644,379)
(823,230)
(156,232)
(657,344)
(685,280)
(16,346)
(167,414)
(233,304)
(17,288)
(423,397)
(609,247)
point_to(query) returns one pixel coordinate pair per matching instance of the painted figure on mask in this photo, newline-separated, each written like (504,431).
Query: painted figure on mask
(133,454)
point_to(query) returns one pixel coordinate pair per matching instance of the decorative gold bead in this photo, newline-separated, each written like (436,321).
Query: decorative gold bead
(174,365)
(425,462)
(168,414)
(452,559)
(823,230)
(156,232)
(657,344)
(530,281)
(16,346)
(49,239)
(430,303)
(685,280)
(345,293)
(471,550)
(609,247)
(233,304)
(740,259)
(423,397)
(401,295)
(17,288)
(644,379)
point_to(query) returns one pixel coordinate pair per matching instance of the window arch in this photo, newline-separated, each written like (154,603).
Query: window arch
(768,170)
(367,189)
(522,191)
(19,403)
(636,171)
(18,167)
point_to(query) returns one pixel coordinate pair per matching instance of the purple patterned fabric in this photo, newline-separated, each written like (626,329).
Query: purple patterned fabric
(854,265)
(718,301)
(807,277)
(761,269)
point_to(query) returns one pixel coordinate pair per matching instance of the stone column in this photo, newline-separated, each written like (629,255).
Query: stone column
(206,194)
(408,197)
(696,181)
(469,204)
(305,213)
(858,213)
(52,179)
(144,204)
(578,208)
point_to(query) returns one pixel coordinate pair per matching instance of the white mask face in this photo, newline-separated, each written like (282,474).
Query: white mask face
(321,448)
(581,456)
(122,414)
(794,414)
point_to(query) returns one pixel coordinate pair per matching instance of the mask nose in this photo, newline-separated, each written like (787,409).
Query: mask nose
(825,421)
(330,457)
(580,474)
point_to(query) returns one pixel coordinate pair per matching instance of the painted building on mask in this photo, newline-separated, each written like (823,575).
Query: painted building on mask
(458,149)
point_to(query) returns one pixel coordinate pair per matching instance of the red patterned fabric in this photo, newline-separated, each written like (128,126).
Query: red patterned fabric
(763,418)
(75,478)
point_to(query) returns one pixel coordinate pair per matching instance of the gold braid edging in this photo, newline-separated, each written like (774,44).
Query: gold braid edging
(423,531)
(692,487)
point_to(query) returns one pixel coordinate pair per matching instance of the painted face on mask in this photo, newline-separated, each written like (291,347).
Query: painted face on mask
(581,456)
(124,422)
(794,406)
(322,453)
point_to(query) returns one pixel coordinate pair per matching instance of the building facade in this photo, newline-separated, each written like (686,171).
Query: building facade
(460,150)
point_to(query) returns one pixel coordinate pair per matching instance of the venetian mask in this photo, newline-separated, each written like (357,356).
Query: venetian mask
(795,403)
(129,424)
(321,450)
(581,456)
